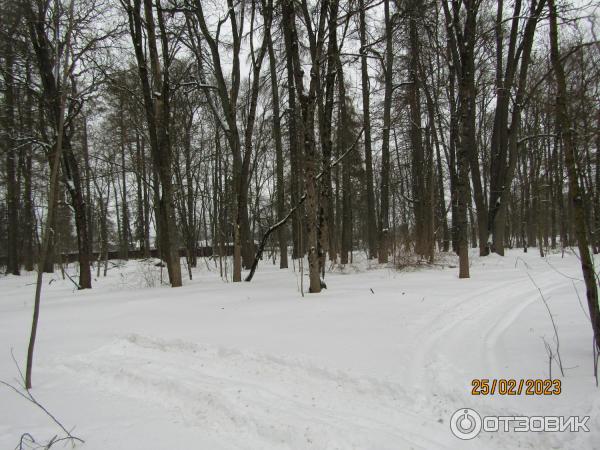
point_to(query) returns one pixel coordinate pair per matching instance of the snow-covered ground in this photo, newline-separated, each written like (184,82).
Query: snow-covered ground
(379,360)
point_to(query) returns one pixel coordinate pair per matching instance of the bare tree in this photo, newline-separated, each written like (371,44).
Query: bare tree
(156,89)
(565,128)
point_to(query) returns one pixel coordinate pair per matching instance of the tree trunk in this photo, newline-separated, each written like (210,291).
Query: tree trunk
(371,215)
(279,182)
(385,144)
(12,187)
(156,105)
(564,124)
(124,209)
(74,186)
(462,44)
(12,19)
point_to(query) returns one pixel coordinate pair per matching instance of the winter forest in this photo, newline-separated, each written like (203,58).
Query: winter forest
(325,224)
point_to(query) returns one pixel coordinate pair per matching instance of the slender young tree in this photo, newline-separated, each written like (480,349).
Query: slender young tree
(40,33)
(65,66)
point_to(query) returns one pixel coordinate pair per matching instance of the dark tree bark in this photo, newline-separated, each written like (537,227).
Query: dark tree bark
(12,186)
(416,138)
(125,231)
(156,94)
(384,211)
(597,190)
(26,171)
(461,39)
(565,128)
(279,182)
(89,201)
(308,101)
(371,215)
(36,31)
(444,235)
(293,133)
(503,152)
(346,200)
(325,121)
(228,96)
(52,87)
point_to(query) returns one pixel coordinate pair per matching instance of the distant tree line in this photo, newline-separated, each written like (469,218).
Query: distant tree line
(184,124)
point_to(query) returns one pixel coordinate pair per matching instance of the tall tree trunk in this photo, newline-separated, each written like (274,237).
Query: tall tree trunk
(364,71)
(279,182)
(325,122)
(564,124)
(461,40)
(156,105)
(346,201)
(293,133)
(308,101)
(35,25)
(385,144)
(124,209)
(52,88)
(26,171)
(416,139)
(89,202)
(73,184)
(12,186)
(503,152)
(597,190)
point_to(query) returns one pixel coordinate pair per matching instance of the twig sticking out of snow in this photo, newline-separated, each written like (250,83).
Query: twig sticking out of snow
(596,356)
(27,438)
(553,325)
(580,303)
(551,356)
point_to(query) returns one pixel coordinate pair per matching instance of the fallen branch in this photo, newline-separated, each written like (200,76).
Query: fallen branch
(283,221)
(72,280)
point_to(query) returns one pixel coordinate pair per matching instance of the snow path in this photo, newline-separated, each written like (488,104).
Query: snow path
(256,366)
(302,405)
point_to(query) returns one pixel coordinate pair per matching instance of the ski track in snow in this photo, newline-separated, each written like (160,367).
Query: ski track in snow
(242,399)
(482,319)
(284,403)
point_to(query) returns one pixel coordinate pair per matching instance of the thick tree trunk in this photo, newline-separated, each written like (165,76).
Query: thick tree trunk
(73,184)
(156,105)
(461,40)
(419,191)
(308,101)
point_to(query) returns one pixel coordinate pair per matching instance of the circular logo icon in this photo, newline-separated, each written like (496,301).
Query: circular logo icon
(465,424)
